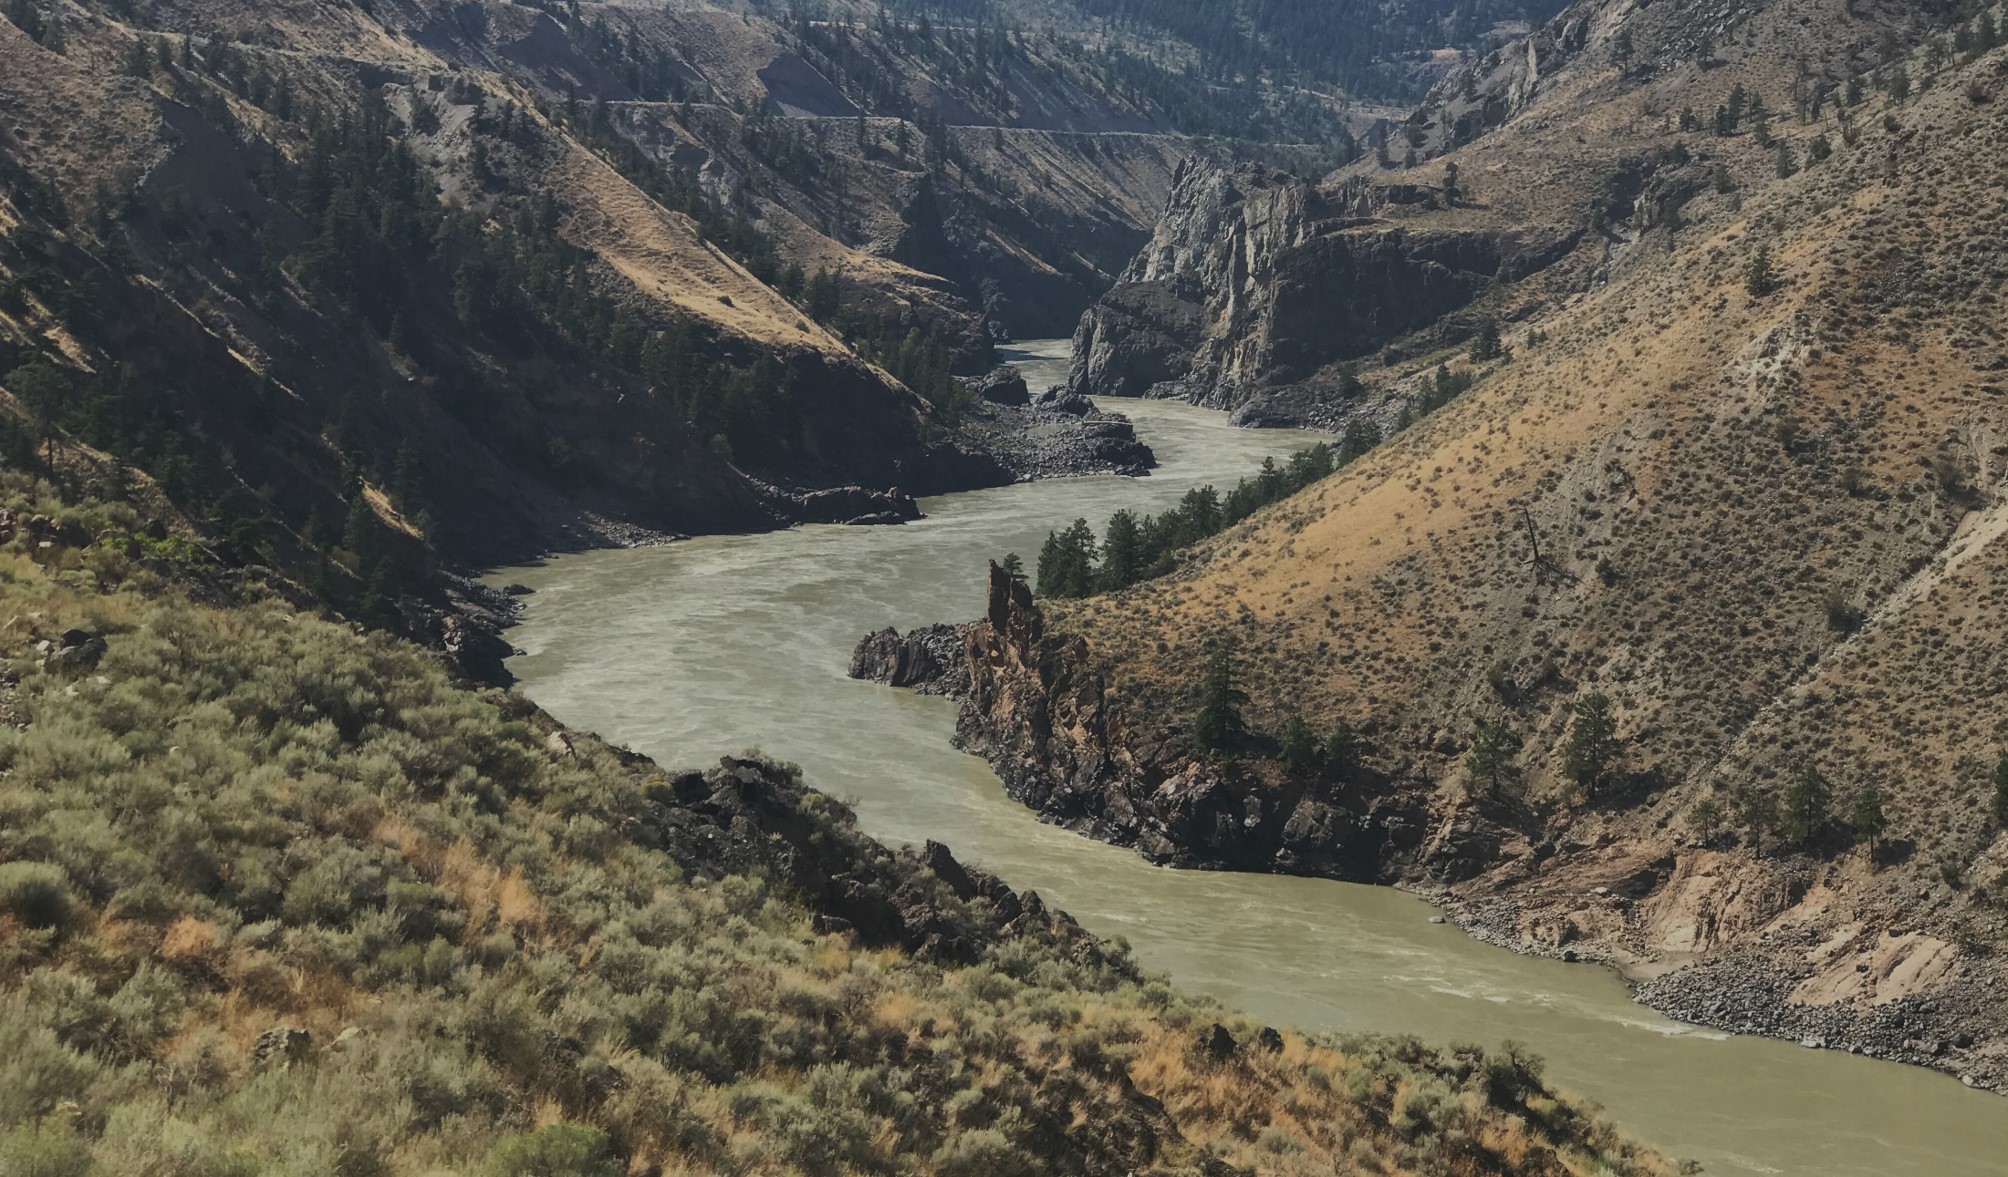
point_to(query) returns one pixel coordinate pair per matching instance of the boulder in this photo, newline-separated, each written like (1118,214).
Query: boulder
(1218,1044)
(280,1047)
(1059,399)
(942,862)
(1002,386)
(75,650)
(927,660)
(857,504)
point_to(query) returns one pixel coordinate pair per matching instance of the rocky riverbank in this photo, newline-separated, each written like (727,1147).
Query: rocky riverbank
(1711,938)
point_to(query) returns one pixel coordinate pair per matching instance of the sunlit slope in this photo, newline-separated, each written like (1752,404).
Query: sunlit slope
(1761,523)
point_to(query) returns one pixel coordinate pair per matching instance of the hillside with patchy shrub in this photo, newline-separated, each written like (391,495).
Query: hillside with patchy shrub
(277,897)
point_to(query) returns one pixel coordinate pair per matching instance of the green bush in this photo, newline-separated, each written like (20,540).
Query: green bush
(562,1150)
(36,893)
(44,1149)
(985,1152)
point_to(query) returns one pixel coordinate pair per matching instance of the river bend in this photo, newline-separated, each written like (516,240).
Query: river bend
(723,643)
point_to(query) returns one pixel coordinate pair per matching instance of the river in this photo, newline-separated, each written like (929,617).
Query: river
(724,643)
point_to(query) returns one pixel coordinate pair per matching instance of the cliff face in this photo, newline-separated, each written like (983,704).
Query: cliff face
(1256,278)
(1035,705)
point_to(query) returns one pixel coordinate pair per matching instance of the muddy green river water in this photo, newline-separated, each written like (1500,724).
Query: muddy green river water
(722,643)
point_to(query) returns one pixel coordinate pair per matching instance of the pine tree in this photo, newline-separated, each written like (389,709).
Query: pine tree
(1592,744)
(1122,552)
(1342,749)
(1486,346)
(1219,725)
(1360,437)
(1066,562)
(1757,810)
(1706,817)
(1489,767)
(1806,803)
(822,297)
(1865,815)
(1759,278)
(1013,568)
(1297,748)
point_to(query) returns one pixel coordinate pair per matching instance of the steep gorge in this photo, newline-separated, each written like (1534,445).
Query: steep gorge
(1735,483)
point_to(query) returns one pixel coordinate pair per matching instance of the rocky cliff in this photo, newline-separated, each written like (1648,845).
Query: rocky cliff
(1257,278)
(1034,704)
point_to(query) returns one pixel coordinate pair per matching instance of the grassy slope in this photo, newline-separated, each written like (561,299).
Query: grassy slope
(513,947)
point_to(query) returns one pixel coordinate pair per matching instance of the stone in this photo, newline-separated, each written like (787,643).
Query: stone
(1003,386)
(281,1047)
(76,649)
(943,864)
(857,505)
(1218,1044)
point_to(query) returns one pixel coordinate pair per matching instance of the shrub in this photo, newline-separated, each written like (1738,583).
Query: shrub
(984,1152)
(36,893)
(562,1150)
(1278,1140)
(44,1149)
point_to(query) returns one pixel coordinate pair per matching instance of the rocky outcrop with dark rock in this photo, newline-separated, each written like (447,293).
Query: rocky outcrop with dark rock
(1004,386)
(753,817)
(1256,278)
(926,661)
(1059,437)
(858,505)
(75,649)
(1034,705)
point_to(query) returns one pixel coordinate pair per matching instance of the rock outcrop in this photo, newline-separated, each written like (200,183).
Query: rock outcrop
(747,816)
(1058,437)
(1257,278)
(1004,386)
(1034,706)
